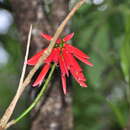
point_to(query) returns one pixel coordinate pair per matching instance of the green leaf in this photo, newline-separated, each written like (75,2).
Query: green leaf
(125,52)
(118,114)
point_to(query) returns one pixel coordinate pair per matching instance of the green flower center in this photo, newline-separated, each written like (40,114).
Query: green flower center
(61,45)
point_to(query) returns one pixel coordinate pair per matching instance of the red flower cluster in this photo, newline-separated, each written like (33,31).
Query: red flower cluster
(63,54)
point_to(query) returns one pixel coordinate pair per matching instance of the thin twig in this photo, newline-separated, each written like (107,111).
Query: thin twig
(12,105)
(5,117)
(40,94)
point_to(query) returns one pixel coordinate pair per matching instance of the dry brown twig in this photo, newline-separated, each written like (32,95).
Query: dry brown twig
(12,105)
(22,85)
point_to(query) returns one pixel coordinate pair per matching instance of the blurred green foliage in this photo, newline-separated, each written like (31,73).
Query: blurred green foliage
(10,74)
(102,31)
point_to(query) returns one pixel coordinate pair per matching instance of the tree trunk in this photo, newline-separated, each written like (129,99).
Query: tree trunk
(54,110)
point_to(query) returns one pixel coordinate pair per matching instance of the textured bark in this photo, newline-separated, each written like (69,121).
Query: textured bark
(54,110)
(128,126)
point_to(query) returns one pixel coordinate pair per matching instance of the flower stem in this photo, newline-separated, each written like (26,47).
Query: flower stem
(35,101)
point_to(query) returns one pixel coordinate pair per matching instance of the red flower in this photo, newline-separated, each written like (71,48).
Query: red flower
(63,54)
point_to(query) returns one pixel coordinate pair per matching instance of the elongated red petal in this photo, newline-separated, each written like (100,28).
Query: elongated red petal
(84,60)
(46,36)
(65,62)
(83,84)
(41,75)
(72,62)
(77,77)
(63,66)
(66,59)
(68,37)
(56,55)
(63,83)
(74,73)
(53,56)
(35,58)
(50,57)
(81,76)
(76,51)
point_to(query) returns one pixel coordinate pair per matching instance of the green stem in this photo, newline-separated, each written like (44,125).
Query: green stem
(37,98)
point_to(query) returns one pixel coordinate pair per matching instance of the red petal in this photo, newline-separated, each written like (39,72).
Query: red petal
(63,66)
(65,63)
(42,75)
(78,78)
(50,57)
(83,84)
(56,55)
(72,62)
(68,37)
(63,83)
(81,76)
(47,37)
(75,74)
(84,60)
(35,58)
(66,59)
(76,51)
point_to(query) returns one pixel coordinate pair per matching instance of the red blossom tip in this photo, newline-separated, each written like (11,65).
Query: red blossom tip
(68,37)
(41,75)
(83,84)
(76,51)
(84,60)
(63,65)
(47,37)
(64,83)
